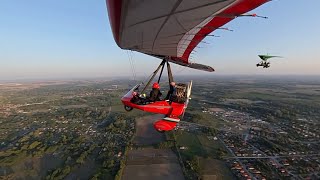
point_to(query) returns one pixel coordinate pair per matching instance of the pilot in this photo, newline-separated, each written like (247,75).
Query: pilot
(171,91)
(155,93)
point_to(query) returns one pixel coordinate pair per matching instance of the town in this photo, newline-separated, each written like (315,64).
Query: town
(76,129)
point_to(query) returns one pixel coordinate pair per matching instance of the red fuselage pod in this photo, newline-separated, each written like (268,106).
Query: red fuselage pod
(166,124)
(159,107)
(163,125)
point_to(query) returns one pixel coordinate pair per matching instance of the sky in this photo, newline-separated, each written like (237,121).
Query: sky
(73,39)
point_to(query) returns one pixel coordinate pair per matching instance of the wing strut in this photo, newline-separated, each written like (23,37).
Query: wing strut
(161,73)
(154,74)
(162,64)
(169,73)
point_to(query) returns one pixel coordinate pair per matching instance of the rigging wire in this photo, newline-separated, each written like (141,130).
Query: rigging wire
(134,64)
(180,69)
(131,65)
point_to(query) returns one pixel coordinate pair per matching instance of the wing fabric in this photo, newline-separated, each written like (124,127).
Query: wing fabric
(266,57)
(171,28)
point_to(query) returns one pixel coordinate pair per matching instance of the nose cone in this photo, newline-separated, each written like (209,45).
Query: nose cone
(163,125)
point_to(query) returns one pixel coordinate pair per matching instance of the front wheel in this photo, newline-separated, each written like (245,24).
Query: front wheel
(128,108)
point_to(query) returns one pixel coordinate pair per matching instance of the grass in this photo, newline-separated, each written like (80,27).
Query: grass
(193,144)
(212,147)
(208,151)
(212,167)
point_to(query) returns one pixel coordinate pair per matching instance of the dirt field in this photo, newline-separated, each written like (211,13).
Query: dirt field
(146,134)
(216,109)
(214,169)
(150,163)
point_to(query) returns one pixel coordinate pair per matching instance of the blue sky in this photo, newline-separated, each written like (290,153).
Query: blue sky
(48,39)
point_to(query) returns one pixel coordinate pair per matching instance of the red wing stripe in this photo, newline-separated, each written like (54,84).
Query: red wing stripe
(114,10)
(237,9)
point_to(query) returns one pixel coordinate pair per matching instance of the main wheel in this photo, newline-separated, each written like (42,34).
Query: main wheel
(127,108)
(160,131)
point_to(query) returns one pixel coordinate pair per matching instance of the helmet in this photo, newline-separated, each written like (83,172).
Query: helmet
(156,85)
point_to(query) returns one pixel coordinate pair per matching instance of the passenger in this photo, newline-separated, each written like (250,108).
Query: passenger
(139,99)
(135,98)
(155,93)
(171,91)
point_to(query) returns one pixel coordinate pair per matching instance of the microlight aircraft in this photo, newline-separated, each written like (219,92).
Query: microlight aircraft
(265,63)
(170,30)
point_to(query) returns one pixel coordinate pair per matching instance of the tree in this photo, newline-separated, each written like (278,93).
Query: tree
(34,145)
(66,170)
(195,164)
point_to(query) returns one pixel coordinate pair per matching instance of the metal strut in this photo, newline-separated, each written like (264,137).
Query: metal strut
(169,73)
(154,74)
(160,73)
(162,64)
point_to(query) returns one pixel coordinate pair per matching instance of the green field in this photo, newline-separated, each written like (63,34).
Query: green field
(207,152)
(212,168)
(192,143)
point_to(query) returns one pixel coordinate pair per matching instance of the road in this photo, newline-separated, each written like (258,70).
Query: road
(235,157)
(271,157)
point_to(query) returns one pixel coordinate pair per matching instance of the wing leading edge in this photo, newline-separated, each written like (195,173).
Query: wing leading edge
(266,57)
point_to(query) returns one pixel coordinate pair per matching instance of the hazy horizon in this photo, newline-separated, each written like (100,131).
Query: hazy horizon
(73,40)
(193,77)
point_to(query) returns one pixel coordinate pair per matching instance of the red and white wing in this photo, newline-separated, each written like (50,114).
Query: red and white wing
(171,29)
